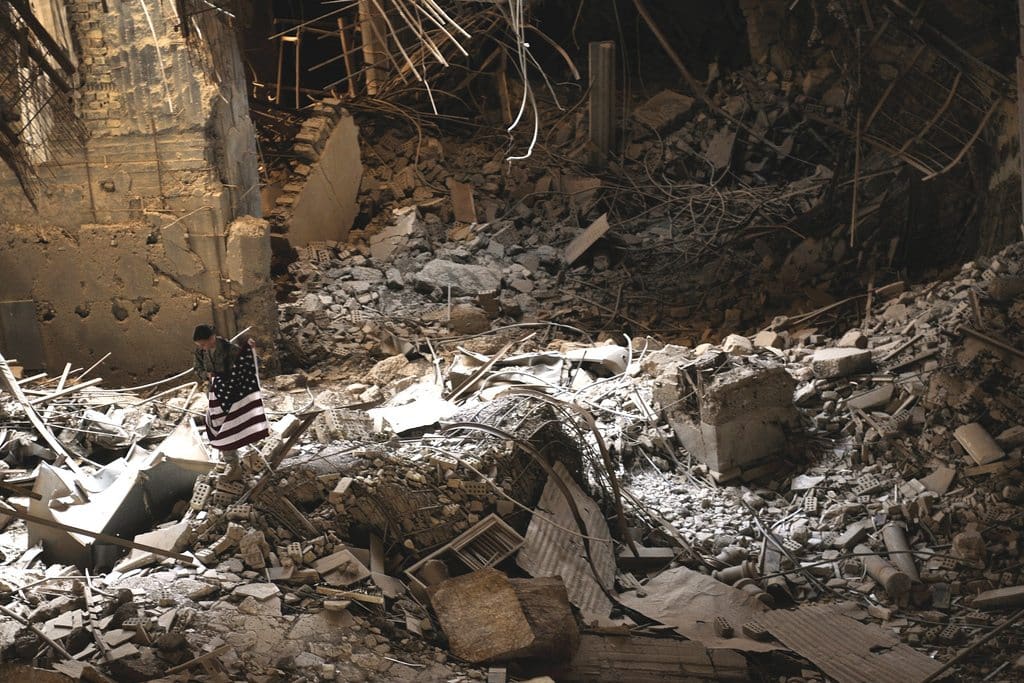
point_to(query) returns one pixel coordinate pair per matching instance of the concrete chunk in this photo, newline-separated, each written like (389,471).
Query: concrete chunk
(260,591)
(663,109)
(482,617)
(837,362)
(872,398)
(982,448)
(464,279)
(1000,598)
(768,339)
(854,339)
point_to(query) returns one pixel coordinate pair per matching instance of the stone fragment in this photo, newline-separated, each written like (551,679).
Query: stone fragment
(980,446)
(769,339)
(854,339)
(663,109)
(737,345)
(482,617)
(464,279)
(838,362)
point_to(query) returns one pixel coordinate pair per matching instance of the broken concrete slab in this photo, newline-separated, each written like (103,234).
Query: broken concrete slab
(978,443)
(172,538)
(482,617)
(385,242)
(463,279)
(840,362)
(872,398)
(1011,597)
(662,110)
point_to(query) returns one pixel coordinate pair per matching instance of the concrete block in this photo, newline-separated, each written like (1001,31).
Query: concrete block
(854,339)
(248,254)
(737,345)
(769,340)
(482,617)
(840,362)
(743,417)
(982,448)
(490,618)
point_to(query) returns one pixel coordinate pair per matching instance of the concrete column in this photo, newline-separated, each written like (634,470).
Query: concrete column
(373,32)
(602,97)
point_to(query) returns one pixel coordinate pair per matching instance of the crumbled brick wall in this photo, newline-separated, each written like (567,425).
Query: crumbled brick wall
(170,162)
(319,199)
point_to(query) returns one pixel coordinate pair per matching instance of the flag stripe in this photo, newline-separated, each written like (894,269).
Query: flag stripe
(244,421)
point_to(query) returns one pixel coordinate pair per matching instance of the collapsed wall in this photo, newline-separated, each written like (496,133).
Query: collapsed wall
(132,241)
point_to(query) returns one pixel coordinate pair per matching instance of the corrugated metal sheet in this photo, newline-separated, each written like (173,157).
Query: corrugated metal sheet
(614,659)
(845,649)
(552,549)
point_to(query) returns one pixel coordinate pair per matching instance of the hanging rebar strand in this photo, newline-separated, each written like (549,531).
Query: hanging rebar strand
(417,28)
(398,41)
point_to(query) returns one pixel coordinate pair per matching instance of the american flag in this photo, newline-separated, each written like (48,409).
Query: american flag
(235,416)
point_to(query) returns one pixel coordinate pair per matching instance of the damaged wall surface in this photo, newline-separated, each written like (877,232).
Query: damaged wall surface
(134,228)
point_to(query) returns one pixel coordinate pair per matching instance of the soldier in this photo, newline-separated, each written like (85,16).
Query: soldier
(235,414)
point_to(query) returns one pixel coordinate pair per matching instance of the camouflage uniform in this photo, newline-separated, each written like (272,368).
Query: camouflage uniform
(216,361)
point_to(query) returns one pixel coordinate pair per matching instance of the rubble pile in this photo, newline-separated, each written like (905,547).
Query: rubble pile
(868,484)
(649,243)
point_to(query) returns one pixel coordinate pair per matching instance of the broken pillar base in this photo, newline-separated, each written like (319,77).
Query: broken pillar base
(744,415)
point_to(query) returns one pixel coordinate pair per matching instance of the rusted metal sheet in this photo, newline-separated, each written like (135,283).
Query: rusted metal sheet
(554,547)
(845,649)
(611,659)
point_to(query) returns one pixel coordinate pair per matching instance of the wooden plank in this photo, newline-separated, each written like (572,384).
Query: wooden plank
(586,239)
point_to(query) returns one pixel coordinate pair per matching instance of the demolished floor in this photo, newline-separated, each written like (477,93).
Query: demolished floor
(527,501)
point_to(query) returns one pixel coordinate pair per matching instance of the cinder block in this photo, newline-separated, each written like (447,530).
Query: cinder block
(830,363)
